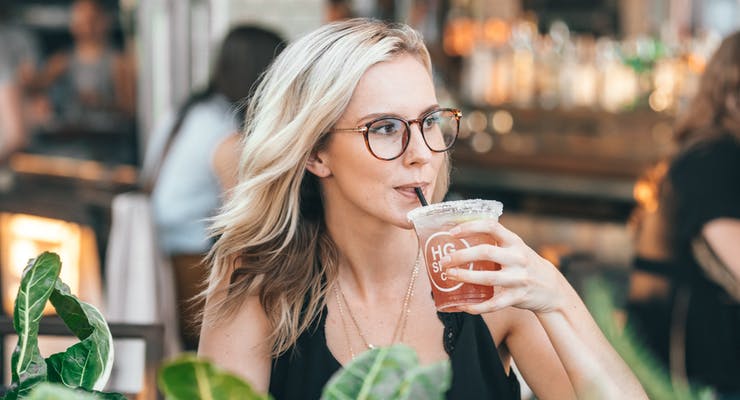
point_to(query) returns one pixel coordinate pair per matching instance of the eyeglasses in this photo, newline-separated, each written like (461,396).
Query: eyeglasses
(388,137)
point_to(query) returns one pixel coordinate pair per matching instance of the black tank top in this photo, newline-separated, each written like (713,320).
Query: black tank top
(477,371)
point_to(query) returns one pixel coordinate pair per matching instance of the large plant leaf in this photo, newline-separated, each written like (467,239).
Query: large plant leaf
(27,365)
(54,391)
(57,391)
(191,378)
(86,364)
(388,373)
(427,382)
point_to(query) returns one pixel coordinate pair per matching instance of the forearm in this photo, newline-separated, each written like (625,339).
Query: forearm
(595,369)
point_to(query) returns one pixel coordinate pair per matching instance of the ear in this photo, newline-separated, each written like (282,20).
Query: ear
(317,165)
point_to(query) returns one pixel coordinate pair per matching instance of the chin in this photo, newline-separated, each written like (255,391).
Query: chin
(401,221)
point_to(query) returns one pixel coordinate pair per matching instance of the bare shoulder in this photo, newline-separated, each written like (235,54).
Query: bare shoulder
(723,234)
(238,343)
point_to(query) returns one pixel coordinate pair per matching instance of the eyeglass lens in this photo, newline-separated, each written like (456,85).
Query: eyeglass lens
(388,137)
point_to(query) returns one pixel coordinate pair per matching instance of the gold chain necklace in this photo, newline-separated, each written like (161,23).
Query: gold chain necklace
(403,317)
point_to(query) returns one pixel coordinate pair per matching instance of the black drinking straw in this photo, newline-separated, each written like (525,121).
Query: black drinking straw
(420,195)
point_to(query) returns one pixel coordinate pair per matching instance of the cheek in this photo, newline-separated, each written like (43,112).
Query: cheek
(442,180)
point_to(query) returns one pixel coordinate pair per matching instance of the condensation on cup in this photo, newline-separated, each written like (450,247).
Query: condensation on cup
(432,224)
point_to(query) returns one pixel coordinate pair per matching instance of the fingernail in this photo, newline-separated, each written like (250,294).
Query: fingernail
(445,259)
(455,230)
(452,272)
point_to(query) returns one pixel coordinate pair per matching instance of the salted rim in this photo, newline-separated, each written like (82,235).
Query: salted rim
(458,207)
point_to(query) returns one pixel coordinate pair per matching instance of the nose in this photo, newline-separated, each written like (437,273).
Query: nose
(417,151)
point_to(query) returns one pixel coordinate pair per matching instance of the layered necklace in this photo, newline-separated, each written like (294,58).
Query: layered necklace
(403,317)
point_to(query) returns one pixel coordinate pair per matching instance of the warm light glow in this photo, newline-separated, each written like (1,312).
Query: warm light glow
(459,37)
(696,63)
(584,87)
(524,77)
(502,122)
(619,86)
(496,31)
(481,142)
(476,121)
(644,194)
(23,237)
(659,100)
(666,80)
(499,89)
(645,190)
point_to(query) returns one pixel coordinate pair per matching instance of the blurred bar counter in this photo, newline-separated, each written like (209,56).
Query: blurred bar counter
(576,163)
(66,189)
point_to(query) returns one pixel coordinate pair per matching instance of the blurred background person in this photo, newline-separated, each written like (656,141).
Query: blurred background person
(337,10)
(92,85)
(226,157)
(685,292)
(18,58)
(12,131)
(19,44)
(186,189)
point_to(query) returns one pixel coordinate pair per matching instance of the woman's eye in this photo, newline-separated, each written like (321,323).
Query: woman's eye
(385,128)
(431,121)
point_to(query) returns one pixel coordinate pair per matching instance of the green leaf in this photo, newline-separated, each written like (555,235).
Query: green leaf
(426,382)
(109,395)
(27,365)
(86,364)
(56,391)
(53,391)
(388,373)
(190,378)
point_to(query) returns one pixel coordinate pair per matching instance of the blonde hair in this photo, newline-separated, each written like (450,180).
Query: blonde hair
(272,241)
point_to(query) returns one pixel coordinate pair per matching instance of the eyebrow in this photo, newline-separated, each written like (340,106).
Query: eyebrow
(370,117)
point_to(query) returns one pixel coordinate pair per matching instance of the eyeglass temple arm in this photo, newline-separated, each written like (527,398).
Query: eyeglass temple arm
(361,129)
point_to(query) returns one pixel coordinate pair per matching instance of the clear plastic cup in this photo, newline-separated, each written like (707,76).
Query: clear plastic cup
(432,224)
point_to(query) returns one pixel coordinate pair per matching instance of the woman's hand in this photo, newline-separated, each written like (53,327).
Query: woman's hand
(530,282)
(525,280)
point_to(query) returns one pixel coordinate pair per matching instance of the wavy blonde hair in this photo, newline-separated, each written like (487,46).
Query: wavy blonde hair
(272,240)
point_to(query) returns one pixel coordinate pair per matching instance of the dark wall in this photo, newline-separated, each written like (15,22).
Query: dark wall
(600,17)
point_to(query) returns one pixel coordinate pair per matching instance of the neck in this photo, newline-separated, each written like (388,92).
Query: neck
(375,261)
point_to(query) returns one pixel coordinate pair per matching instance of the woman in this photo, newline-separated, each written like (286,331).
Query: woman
(12,130)
(315,235)
(689,315)
(93,83)
(185,189)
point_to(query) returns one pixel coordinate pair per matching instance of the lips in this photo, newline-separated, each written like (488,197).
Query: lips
(408,190)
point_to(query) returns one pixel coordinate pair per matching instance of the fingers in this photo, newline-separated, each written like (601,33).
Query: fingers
(484,252)
(499,301)
(487,226)
(487,278)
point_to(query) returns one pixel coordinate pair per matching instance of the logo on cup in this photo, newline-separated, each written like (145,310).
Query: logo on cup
(437,246)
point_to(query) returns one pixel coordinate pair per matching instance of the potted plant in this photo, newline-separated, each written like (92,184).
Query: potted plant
(82,369)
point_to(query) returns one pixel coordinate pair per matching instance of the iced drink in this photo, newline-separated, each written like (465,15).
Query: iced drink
(432,224)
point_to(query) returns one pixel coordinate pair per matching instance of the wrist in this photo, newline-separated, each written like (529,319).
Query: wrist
(565,299)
